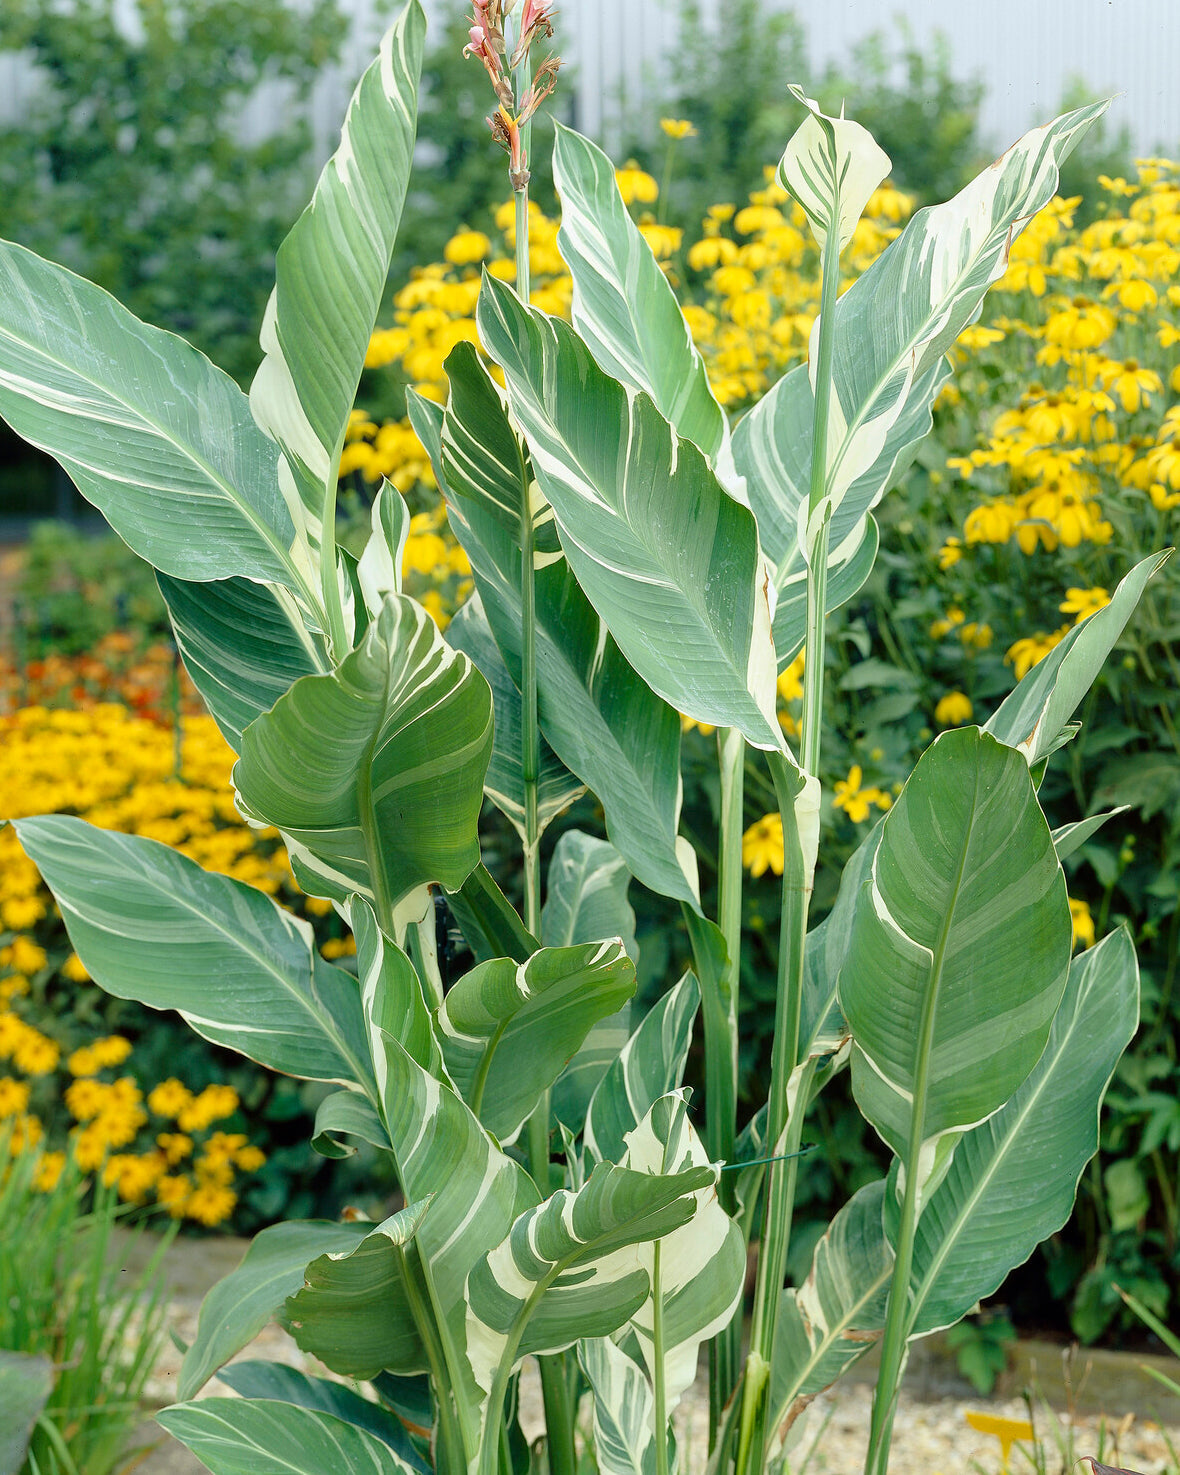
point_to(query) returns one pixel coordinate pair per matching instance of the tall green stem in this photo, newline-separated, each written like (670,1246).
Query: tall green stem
(721,1041)
(659,1384)
(784,1116)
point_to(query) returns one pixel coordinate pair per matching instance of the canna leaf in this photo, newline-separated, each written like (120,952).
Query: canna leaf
(670,562)
(330,278)
(243,645)
(602,721)
(151,925)
(624,1410)
(379,568)
(261,1436)
(997,1202)
(1032,716)
(185,477)
(391,749)
(507,1028)
(650,1065)
(893,326)
(26,1382)
(624,308)
(355,1309)
(275,1380)
(557,788)
(346,1114)
(958,949)
(831,166)
(241,1304)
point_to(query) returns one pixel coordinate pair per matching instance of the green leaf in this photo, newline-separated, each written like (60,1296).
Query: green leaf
(476,1192)
(585,899)
(243,645)
(240,1436)
(670,562)
(1068,838)
(507,1028)
(489,922)
(959,948)
(624,308)
(557,788)
(283,1384)
(26,1381)
(624,1411)
(331,273)
(831,167)
(346,1114)
(835,1316)
(602,721)
(650,1065)
(379,569)
(355,1309)
(586,894)
(1031,717)
(391,750)
(151,925)
(395,1007)
(997,1202)
(561,1272)
(150,432)
(893,326)
(241,1304)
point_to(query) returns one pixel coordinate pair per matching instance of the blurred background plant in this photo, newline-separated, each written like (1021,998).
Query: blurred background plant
(70,1304)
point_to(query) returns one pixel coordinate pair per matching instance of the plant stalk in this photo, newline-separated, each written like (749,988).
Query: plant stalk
(784,1116)
(658,1383)
(721,1043)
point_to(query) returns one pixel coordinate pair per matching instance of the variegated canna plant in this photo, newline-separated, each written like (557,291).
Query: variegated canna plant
(634,558)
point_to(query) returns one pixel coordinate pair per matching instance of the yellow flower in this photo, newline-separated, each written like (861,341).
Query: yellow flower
(762,846)
(1082,603)
(14,1096)
(74,969)
(712,251)
(175,1146)
(949,554)
(48,1171)
(210,1204)
(664,240)
(678,128)
(992,522)
(790,681)
(1027,652)
(173,1193)
(212,1105)
(169,1098)
(1004,1429)
(849,796)
(467,247)
(634,184)
(1133,385)
(953,709)
(1083,923)
(1162,499)
(688,724)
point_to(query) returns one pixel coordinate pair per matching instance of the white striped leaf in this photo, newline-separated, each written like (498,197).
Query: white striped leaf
(355,1308)
(1068,838)
(624,307)
(572,1266)
(243,645)
(831,166)
(624,1411)
(330,278)
(150,432)
(649,1065)
(490,923)
(958,949)
(1032,716)
(241,1303)
(667,558)
(151,925)
(585,899)
(702,1264)
(835,1316)
(997,1202)
(476,1193)
(379,568)
(508,1028)
(892,327)
(391,750)
(772,449)
(346,1114)
(266,1379)
(557,788)
(602,721)
(261,1436)
(394,1004)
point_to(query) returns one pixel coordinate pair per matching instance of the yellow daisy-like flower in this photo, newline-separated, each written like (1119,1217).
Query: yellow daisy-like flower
(762,846)
(467,247)
(1082,603)
(953,709)
(1083,923)
(950,553)
(169,1098)
(1025,653)
(678,128)
(634,184)
(849,796)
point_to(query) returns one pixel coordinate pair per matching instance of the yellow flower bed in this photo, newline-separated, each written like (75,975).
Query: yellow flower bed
(117,770)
